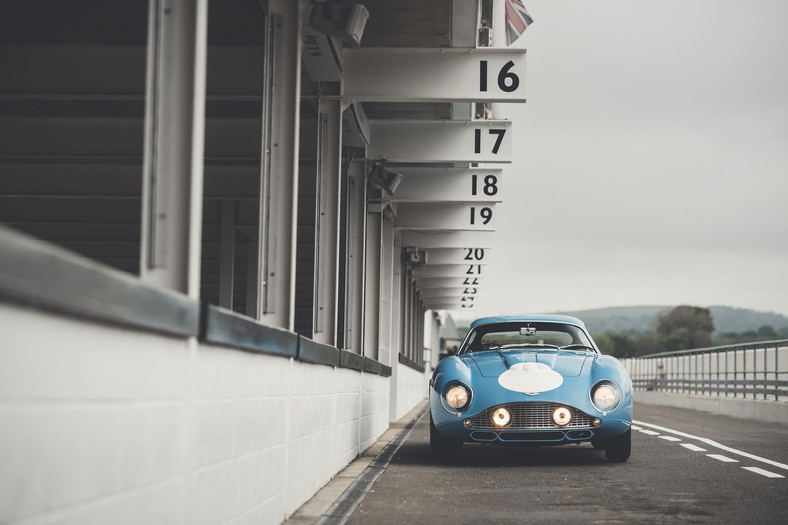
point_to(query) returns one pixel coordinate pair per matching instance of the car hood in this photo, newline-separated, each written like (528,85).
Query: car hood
(493,364)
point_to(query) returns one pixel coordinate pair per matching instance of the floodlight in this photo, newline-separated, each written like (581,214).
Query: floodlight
(338,21)
(383,177)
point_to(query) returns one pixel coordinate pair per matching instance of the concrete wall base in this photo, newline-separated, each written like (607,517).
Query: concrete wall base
(108,424)
(772,411)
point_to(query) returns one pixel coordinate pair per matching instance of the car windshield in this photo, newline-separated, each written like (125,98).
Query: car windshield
(497,336)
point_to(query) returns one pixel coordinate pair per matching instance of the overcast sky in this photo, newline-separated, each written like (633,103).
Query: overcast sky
(650,163)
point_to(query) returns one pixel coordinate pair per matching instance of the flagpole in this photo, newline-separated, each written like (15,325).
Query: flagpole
(498,34)
(499,23)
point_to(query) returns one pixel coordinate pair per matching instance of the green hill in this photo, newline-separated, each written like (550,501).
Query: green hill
(642,318)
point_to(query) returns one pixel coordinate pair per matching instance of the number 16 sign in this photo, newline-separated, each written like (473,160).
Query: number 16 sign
(434,74)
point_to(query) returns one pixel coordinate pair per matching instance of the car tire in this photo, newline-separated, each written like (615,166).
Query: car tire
(443,449)
(619,448)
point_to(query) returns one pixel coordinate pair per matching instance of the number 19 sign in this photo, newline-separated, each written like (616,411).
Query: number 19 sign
(445,216)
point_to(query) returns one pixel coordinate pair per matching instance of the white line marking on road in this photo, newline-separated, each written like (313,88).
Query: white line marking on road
(649,432)
(694,448)
(724,459)
(669,438)
(635,427)
(762,472)
(713,443)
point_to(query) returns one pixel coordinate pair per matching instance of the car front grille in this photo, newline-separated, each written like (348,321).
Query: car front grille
(527,416)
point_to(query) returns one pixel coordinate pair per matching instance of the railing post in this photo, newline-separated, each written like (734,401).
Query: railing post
(764,380)
(754,373)
(776,372)
(735,370)
(683,362)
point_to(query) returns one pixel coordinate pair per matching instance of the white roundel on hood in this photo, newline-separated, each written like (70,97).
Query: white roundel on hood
(530,378)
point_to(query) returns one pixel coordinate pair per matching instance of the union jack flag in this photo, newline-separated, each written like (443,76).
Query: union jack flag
(517,20)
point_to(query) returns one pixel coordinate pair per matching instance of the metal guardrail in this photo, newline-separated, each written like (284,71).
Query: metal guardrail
(752,371)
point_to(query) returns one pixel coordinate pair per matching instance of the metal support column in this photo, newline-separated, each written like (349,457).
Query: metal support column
(252,289)
(391,321)
(355,299)
(328,194)
(377,299)
(406,310)
(227,255)
(279,165)
(387,319)
(174,136)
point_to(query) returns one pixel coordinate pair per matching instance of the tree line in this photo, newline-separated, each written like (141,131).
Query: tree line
(682,328)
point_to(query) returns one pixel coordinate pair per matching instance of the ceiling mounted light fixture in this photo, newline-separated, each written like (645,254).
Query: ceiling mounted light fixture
(383,177)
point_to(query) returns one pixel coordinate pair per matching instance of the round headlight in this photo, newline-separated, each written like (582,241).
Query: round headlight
(562,416)
(457,397)
(501,417)
(605,396)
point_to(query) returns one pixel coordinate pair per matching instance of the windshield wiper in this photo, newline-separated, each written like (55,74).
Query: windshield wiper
(578,346)
(528,345)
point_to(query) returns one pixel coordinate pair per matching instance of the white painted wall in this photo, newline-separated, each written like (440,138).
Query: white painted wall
(411,390)
(102,425)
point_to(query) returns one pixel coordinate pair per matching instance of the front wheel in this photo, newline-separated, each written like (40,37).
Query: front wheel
(443,449)
(619,448)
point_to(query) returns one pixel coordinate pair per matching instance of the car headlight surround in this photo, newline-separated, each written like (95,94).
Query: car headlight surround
(457,396)
(605,396)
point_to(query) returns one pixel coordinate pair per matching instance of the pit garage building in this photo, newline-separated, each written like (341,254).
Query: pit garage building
(228,231)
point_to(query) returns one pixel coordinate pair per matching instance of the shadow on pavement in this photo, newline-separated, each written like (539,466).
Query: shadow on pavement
(416,451)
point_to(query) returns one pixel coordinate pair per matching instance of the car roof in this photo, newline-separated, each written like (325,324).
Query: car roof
(534,318)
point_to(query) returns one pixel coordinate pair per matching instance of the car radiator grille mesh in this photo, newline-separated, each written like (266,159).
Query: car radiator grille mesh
(526,416)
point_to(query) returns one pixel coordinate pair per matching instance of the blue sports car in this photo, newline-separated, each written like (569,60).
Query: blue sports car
(530,380)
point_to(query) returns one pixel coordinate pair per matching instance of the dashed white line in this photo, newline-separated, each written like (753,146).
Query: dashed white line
(694,448)
(724,459)
(649,432)
(762,472)
(669,438)
(713,443)
(635,427)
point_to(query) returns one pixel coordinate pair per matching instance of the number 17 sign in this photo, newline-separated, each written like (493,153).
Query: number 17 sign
(441,141)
